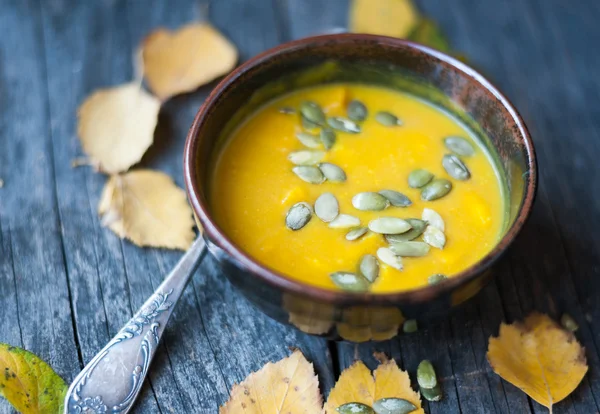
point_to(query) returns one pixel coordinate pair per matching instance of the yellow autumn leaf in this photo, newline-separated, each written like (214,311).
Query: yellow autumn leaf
(356,384)
(116,126)
(147,208)
(396,18)
(288,386)
(181,61)
(539,357)
(28,383)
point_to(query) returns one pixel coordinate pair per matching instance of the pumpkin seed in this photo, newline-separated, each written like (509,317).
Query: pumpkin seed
(389,225)
(356,233)
(332,172)
(312,112)
(396,199)
(431,394)
(389,258)
(343,125)
(434,237)
(455,167)
(410,249)
(393,406)
(309,140)
(568,323)
(298,216)
(410,326)
(287,110)
(387,118)
(309,173)
(418,178)
(418,227)
(344,221)
(327,137)
(350,281)
(369,267)
(306,157)
(306,124)
(327,207)
(438,188)
(433,219)
(357,111)
(437,278)
(460,146)
(426,375)
(369,201)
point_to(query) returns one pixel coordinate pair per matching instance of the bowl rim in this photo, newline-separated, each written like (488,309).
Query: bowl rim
(279,280)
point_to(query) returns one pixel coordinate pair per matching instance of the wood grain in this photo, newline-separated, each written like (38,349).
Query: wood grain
(67,284)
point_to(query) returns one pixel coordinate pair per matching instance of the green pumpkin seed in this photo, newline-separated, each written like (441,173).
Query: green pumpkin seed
(343,125)
(387,119)
(332,172)
(437,278)
(369,201)
(410,248)
(433,219)
(419,178)
(438,188)
(309,140)
(306,157)
(434,237)
(327,137)
(309,173)
(568,323)
(308,125)
(298,216)
(350,282)
(356,233)
(410,326)
(426,375)
(431,394)
(344,221)
(357,111)
(455,167)
(287,110)
(389,225)
(396,199)
(312,112)
(460,146)
(393,406)
(389,258)
(418,227)
(327,207)
(369,267)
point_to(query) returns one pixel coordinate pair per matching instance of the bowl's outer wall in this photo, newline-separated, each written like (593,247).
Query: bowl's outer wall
(334,314)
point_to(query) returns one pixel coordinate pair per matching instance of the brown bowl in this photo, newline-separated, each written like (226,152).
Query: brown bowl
(397,64)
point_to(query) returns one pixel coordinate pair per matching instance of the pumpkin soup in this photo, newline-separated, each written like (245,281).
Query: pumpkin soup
(359,188)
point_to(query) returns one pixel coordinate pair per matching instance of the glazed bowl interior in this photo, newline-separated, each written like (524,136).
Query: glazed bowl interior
(395,64)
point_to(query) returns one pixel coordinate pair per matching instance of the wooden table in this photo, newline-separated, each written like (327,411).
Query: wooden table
(67,284)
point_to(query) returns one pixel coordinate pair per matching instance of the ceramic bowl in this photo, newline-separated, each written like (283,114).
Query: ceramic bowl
(396,64)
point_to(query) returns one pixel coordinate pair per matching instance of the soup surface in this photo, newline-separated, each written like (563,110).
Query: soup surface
(254,187)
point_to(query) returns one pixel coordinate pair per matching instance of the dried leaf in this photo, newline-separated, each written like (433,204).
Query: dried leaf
(539,357)
(288,386)
(181,61)
(356,384)
(147,208)
(28,383)
(396,18)
(116,126)
(428,33)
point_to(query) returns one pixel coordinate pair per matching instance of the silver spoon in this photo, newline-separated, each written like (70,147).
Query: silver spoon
(112,380)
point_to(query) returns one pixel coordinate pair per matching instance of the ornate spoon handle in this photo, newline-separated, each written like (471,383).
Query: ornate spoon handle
(112,380)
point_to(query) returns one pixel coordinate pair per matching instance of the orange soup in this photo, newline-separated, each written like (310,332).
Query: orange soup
(359,188)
